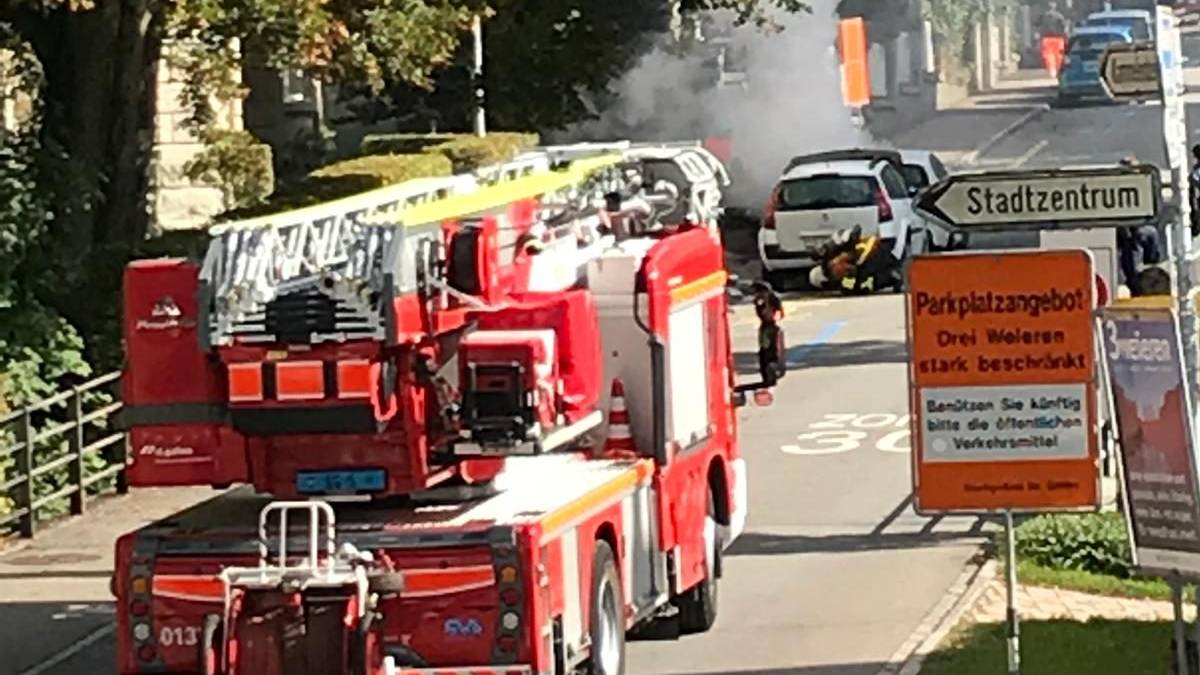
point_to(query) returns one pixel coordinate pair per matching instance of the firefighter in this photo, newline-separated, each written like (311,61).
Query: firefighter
(769,308)
(856,264)
(1138,247)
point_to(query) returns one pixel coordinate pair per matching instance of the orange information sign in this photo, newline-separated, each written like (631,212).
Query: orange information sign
(1003,395)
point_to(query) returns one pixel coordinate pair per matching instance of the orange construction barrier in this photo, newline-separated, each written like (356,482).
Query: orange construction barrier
(1053,47)
(852,48)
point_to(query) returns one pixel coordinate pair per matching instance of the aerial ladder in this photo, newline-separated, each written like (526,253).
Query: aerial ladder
(329,336)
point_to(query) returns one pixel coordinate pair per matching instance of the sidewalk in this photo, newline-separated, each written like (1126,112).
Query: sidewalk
(54,589)
(966,129)
(1036,603)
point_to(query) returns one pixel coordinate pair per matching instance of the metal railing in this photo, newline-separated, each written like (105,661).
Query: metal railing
(70,430)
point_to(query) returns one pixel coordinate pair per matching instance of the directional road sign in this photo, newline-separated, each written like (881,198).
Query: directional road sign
(1131,70)
(1082,197)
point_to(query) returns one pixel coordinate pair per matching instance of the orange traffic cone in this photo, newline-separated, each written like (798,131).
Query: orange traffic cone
(619,442)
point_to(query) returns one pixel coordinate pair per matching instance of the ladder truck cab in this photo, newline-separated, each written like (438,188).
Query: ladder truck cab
(364,347)
(543,575)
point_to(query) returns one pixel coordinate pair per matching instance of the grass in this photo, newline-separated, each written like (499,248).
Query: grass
(1099,584)
(1062,647)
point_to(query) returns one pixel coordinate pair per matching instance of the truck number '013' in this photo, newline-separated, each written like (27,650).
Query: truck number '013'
(844,432)
(178,636)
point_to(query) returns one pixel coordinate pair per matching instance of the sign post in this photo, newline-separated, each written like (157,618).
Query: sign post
(1002,395)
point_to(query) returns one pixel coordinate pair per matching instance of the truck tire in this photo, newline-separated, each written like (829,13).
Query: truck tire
(607,626)
(698,605)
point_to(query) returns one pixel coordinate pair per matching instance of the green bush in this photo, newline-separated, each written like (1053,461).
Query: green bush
(389,159)
(236,163)
(465,152)
(1093,542)
(347,178)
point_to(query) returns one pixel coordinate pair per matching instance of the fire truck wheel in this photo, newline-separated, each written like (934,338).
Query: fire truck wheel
(698,606)
(607,628)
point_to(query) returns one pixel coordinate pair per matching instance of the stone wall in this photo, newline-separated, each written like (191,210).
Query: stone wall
(178,203)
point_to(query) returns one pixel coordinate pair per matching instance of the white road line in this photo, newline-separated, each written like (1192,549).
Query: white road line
(1038,147)
(74,649)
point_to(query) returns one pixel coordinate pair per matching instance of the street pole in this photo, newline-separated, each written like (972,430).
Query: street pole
(1179,235)
(1181,664)
(477,77)
(1014,629)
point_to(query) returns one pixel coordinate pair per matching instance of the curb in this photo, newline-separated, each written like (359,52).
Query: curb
(972,157)
(960,598)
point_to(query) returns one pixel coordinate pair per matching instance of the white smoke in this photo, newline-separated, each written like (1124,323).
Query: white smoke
(791,102)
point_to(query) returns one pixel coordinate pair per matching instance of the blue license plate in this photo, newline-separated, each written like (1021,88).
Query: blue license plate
(355,481)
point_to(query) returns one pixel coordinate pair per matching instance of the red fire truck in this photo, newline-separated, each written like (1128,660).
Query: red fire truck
(454,497)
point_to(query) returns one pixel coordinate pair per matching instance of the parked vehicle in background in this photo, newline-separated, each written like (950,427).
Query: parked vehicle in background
(1139,22)
(822,193)
(923,168)
(1080,76)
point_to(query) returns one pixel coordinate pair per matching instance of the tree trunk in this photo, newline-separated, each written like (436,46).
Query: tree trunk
(99,68)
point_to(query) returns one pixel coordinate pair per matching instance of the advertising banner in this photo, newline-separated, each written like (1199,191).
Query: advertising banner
(1002,378)
(1143,353)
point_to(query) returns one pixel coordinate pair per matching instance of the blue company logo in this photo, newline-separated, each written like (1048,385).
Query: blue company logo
(462,628)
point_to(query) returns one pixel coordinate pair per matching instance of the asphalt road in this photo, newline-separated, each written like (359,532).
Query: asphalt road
(833,574)
(835,570)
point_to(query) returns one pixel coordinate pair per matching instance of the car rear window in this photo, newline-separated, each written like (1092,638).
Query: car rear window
(1092,44)
(826,192)
(915,175)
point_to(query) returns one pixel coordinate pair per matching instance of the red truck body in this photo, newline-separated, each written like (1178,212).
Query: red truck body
(543,574)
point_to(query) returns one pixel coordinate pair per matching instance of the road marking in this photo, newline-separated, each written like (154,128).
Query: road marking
(824,335)
(840,432)
(1037,147)
(67,653)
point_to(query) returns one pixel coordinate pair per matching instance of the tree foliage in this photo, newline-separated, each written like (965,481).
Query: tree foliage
(549,64)
(93,67)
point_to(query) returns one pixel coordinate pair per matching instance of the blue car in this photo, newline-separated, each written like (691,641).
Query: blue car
(1080,76)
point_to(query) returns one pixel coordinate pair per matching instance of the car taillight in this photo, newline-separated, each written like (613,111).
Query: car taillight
(768,222)
(883,205)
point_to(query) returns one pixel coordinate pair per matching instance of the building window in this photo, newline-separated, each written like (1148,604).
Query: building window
(295,86)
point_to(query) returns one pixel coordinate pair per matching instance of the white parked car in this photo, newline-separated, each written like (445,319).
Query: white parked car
(923,168)
(820,194)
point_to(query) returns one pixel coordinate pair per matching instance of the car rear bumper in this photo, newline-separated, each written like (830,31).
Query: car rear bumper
(1082,89)
(774,257)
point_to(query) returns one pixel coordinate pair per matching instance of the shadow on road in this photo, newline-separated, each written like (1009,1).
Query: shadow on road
(832,355)
(757,543)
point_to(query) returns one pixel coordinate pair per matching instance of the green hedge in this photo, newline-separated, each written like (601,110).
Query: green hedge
(465,152)
(347,178)
(236,163)
(389,159)
(1093,542)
